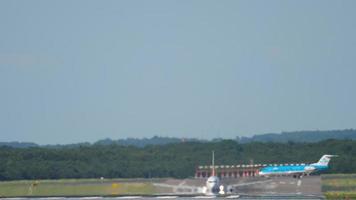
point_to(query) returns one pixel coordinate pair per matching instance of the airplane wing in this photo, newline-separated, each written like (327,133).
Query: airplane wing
(176,187)
(194,190)
(249,183)
(181,189)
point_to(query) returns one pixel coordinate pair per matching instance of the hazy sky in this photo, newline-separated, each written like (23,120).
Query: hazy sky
(75,71)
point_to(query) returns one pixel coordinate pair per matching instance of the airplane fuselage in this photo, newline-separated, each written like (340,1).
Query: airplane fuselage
(289,170)
(212,185)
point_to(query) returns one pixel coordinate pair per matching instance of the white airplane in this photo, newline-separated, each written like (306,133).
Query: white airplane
(213,186)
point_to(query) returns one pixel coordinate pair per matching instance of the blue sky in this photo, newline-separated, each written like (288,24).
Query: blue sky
(75,71)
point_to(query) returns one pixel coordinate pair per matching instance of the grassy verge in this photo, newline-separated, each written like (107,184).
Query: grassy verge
(340,195)
(74,187)
(339,186)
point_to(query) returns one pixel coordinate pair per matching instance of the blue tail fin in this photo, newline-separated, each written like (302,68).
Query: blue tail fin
(324,160)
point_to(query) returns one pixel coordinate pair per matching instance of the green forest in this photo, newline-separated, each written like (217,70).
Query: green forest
(177,160)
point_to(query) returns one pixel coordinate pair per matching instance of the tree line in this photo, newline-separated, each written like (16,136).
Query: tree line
(177,160)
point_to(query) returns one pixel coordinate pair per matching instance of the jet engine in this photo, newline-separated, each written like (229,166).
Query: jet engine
(221,189)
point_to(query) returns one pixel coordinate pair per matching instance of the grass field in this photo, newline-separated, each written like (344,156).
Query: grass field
(339,186)
(74,187)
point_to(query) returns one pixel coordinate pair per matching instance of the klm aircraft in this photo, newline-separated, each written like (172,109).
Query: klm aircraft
(297,170)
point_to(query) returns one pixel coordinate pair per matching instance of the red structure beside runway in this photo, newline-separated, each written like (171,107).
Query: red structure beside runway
(229,171)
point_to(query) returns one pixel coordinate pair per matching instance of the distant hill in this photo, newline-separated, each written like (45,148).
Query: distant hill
(142,142)
(301,136)
(284,137)
(137,142)
(19,144)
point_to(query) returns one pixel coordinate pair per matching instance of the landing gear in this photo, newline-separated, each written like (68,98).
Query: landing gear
(229,189)
(299,176)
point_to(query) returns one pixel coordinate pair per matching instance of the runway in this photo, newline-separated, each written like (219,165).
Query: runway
(225,197)
(244,188)
(257,187)
(269,197)
(310,185)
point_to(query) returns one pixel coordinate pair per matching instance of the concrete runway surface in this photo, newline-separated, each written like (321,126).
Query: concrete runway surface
(275,186)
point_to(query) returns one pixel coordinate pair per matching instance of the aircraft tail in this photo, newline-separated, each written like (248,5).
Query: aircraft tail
(324,160)
(213,165)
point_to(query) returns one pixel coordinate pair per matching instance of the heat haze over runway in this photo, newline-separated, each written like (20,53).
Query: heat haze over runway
(306,186)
